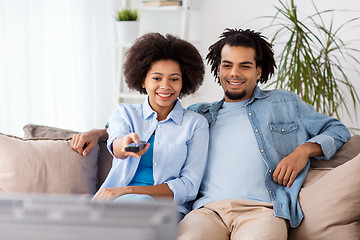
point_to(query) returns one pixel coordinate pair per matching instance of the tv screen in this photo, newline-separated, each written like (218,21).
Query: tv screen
(55,217)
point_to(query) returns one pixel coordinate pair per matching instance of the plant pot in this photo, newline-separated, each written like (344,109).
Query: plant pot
(127,31)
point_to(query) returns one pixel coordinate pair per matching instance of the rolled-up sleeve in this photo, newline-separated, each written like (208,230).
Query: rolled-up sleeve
(327,144)
(327,131)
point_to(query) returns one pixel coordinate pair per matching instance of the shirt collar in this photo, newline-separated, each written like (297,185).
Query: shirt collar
(176,113)
(258,93)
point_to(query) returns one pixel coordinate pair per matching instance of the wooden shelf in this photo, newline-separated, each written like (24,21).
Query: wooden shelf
(161,8)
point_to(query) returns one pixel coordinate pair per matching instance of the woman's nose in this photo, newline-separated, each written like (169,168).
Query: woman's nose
(165,84)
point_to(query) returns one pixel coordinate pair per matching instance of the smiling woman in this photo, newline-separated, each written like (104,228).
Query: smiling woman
(163,85)
(55,63)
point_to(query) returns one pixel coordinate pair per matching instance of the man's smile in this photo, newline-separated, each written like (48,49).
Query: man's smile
(236,82)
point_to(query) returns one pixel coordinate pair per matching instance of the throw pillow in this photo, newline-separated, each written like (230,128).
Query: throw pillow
(34,131)
(331,204)
(45,166)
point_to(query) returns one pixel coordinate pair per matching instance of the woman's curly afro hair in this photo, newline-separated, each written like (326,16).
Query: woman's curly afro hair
(153,47)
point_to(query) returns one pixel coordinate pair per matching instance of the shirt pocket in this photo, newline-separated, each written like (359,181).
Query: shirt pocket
(175,158)
(284,136)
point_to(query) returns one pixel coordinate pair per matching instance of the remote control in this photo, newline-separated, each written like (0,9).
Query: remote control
(135,147)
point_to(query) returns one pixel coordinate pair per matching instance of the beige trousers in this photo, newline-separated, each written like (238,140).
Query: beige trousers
(233,219)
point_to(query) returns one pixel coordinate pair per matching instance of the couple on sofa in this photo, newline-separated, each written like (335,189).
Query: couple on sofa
(248,160)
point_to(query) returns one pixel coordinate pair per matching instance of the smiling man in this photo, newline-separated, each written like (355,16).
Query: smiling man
(238,72)
(259,149)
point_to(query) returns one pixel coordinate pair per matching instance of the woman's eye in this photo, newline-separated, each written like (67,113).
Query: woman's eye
(174,79)
(156,78)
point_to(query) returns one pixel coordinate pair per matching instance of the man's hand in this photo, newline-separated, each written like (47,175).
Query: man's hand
(83,143)
(289,167)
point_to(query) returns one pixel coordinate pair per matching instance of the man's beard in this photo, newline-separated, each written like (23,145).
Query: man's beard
(235,95)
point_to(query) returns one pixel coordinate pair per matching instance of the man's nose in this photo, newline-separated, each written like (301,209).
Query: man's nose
(235,72)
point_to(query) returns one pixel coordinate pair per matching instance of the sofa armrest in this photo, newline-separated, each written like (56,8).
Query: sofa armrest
(330,200)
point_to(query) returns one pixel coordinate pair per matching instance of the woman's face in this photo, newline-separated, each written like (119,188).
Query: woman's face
(163,84)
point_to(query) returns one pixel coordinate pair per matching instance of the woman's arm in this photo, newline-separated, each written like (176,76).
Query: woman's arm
(161,190)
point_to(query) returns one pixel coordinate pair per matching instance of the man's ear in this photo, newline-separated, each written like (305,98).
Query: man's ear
(258,72)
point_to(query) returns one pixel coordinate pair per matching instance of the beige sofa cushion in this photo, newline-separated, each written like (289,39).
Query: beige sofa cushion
(330,200)
(45,166)
(35,131)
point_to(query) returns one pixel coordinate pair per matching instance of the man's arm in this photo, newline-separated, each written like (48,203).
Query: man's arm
(326,136)
(289,167)
(83,143)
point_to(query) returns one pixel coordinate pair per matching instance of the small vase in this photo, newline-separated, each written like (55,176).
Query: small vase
(127,31)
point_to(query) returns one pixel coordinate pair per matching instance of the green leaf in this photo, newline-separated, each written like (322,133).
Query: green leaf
(126,14)
(315,61)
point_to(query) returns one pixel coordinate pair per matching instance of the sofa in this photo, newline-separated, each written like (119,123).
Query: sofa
(43,162)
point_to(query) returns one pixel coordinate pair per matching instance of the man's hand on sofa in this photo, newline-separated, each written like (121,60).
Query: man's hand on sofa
(83,143)
(289,167)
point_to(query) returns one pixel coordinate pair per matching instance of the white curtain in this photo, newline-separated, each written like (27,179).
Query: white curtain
(56,63)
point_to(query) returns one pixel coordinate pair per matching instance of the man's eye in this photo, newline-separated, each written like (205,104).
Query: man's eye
(246,67)
(226,66)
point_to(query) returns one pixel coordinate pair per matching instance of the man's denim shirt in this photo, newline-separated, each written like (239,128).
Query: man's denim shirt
(281,121)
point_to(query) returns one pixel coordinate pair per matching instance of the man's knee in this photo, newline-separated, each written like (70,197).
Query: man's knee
(272,228)
(200,224)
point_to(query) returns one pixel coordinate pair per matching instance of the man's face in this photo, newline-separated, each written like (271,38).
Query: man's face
(238,72)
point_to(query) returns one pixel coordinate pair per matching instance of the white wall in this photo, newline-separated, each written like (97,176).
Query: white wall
(207,21)
(56,63)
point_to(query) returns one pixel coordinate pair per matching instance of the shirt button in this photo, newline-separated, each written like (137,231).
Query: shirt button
(269,170)
(262,150)
(250,114)
(283,130)
(270,191)
(155,164)
(256,130)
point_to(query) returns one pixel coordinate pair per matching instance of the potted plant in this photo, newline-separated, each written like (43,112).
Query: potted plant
(127,25)
(315,61)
